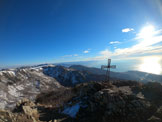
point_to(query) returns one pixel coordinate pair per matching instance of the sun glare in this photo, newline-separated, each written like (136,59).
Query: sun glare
(147,36)
(151,65)
(147,32)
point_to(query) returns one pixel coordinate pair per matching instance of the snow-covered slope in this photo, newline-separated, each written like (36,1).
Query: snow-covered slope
(65,76)
(27,82)
(70,77)
(19,83)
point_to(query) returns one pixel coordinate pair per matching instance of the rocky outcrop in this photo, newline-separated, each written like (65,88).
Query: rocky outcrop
(109,105)
(25,111)
(28,108)
(114,102)
(103,102)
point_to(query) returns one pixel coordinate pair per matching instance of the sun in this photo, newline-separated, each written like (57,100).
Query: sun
(147,32)
(147,36)
(151,65)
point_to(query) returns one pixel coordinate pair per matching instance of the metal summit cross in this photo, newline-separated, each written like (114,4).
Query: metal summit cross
(108,69)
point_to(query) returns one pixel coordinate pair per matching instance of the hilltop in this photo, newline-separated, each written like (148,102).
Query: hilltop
(126,101)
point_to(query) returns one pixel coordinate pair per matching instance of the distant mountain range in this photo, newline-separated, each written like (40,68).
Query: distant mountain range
(129,75)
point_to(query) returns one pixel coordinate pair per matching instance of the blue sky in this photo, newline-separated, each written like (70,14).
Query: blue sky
(49,31)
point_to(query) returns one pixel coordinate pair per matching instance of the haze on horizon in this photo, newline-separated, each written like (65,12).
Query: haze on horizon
(128,32)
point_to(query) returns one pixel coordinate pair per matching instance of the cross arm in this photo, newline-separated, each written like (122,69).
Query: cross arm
(104,66)
(113,66)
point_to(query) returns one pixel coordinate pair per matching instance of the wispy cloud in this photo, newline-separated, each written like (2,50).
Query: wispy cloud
(106,52)
(125,30)
(67,56)
(114,42)
(146,45)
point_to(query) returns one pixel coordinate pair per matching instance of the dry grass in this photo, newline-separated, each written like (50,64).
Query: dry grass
(55,98)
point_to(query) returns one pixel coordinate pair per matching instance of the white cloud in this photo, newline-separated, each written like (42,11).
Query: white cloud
(125,30)
(86,51)
(140,49)
(114,42)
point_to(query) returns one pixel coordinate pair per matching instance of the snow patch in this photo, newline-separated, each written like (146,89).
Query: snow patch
(12,73)
(3,104)
(72,111)
(1,73)
(20,87)
(12,91)
(3,95)
(36,69)
(24,70)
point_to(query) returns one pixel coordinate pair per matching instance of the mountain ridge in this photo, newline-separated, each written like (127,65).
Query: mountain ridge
(17,83)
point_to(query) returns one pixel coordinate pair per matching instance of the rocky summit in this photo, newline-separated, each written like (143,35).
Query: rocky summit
(125,101)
